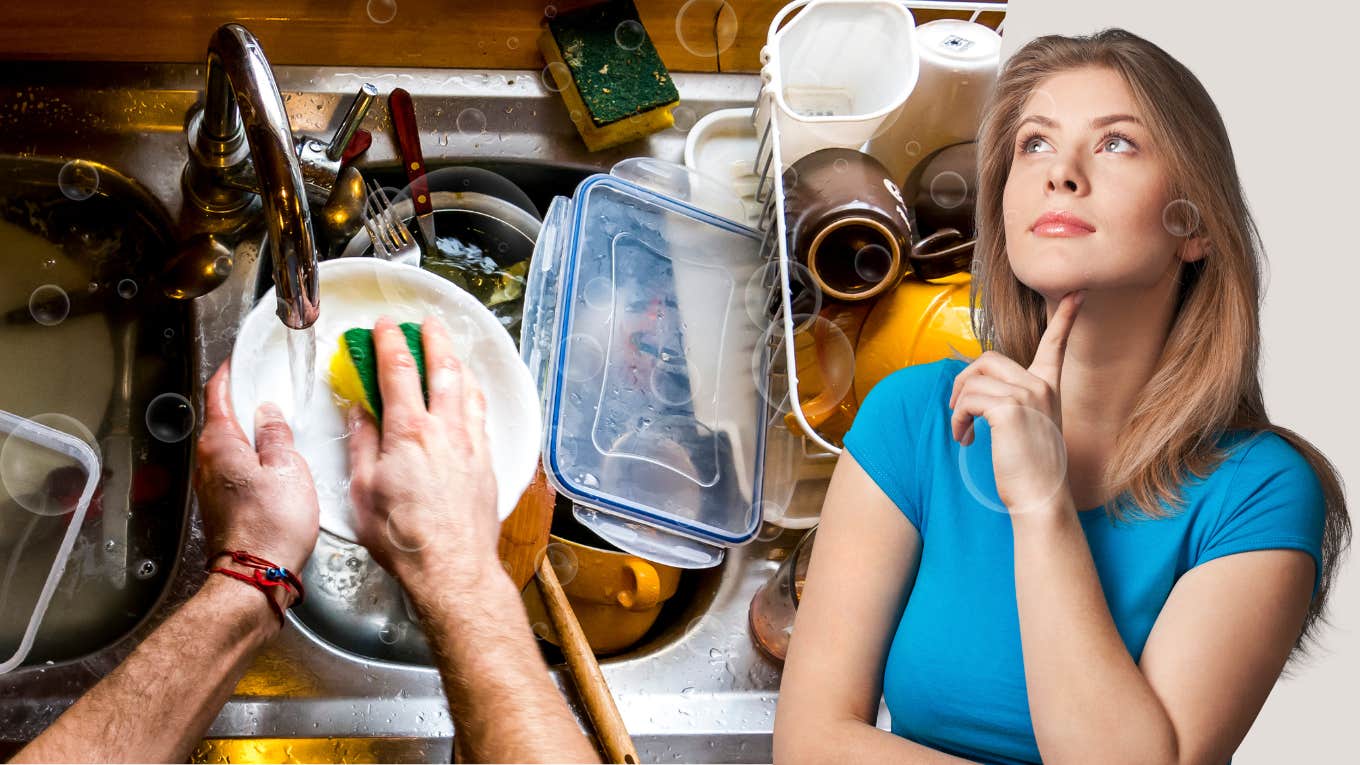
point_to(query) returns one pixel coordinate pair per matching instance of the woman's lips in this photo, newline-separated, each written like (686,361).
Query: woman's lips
(1060,229)
(1060,223)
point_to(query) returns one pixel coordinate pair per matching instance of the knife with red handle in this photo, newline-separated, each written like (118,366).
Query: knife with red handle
(408,143)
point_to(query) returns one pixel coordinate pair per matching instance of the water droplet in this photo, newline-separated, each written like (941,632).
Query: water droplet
(512,43)
(170,417)
(382,11)
(78,180)
(168,333)
(388,633)
(127,289)
(145,569)
(49,305)
(222,266)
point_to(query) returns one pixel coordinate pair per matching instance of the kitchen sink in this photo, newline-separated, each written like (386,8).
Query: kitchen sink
(351,664)
(92,346)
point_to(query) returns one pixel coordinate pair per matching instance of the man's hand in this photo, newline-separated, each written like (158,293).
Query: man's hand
(423,489)
(258,500)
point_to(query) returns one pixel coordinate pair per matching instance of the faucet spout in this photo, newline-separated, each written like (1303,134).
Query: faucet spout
(241,139)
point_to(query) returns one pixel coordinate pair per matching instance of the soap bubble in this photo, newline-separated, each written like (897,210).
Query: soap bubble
(127,289)
(168,333)
(382,11)
(562,559)
(512,42)
(975,459)
(599,293)
(400,532)
(840,165)
(672,384)
(1180,217)
(555,76)
(170,417)
(706,28)
(542,631)
(684,118)
(145,569)
(630,35)
(948,189)
(389,633)
(585,358)
(873,262)
(78,180)
(39,479)
(769,531)
(550,12)
(223,265)
(49,305)
(913,148)
(471,121)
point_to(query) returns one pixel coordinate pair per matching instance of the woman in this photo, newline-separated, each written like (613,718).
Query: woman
(1154,549)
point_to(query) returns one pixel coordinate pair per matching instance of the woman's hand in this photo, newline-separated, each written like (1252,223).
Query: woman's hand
(1024,410)
(259,500)
(423,489)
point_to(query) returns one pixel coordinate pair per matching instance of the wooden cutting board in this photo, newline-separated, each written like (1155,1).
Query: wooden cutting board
(524,533)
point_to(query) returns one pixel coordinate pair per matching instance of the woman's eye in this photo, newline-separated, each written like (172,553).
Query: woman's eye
(1028,143)
(1112,143)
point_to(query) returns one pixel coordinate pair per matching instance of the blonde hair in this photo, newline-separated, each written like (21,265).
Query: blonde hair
(1206,381)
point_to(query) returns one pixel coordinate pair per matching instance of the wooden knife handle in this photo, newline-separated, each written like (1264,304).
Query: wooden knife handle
(408,143)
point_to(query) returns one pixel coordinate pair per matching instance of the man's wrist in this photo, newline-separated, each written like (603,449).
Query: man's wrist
(450,585)
(242,604)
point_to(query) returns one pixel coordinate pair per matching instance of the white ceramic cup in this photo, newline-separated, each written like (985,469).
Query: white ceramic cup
(959,61)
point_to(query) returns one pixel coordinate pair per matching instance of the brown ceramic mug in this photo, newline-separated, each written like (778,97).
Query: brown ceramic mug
(847,223)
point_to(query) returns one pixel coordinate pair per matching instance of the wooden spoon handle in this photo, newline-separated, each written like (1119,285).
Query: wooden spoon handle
(590,682)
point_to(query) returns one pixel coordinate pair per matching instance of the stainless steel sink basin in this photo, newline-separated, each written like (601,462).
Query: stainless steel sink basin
(694,689)
(91,339)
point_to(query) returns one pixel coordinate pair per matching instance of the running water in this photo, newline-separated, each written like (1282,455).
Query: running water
(302,365)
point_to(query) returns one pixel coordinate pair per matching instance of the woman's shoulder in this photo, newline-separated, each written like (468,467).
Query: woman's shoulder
(918,380)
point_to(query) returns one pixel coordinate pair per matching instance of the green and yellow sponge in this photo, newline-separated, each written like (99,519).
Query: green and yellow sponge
(609,73)
(354,367)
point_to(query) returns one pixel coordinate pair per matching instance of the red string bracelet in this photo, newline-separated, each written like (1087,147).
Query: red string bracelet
(264,577)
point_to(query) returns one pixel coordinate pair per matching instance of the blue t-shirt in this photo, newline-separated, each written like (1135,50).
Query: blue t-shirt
(954,678)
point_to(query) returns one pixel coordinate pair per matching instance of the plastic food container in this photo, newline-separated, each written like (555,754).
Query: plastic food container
(649,364)
(47,479)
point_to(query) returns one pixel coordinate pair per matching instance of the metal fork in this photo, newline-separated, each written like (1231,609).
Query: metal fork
(391,239)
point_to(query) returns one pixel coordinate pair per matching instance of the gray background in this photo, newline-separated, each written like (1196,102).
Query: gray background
(1283,77)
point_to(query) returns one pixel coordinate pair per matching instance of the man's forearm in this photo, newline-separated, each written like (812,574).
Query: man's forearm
(157,704)
(504,705)
(1089,701)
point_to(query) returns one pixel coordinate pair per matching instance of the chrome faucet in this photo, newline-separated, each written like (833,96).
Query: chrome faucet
(240,145)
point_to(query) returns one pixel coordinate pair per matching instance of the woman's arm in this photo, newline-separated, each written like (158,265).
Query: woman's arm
(1215,652)
(862,569)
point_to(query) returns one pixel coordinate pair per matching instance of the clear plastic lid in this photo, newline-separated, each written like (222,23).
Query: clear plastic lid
(637,328)
(47,479)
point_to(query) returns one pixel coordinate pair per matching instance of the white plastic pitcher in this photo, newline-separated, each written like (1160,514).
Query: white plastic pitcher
(836,73)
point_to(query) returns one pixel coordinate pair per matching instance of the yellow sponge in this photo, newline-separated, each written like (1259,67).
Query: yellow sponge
(354,367)
(609,73)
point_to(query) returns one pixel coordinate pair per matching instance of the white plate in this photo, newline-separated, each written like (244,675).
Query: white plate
(356,292)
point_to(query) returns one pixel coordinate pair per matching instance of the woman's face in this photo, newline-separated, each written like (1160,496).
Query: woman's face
(1083,149)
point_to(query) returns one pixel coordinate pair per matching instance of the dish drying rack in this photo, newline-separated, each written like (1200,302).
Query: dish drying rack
(770,194)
